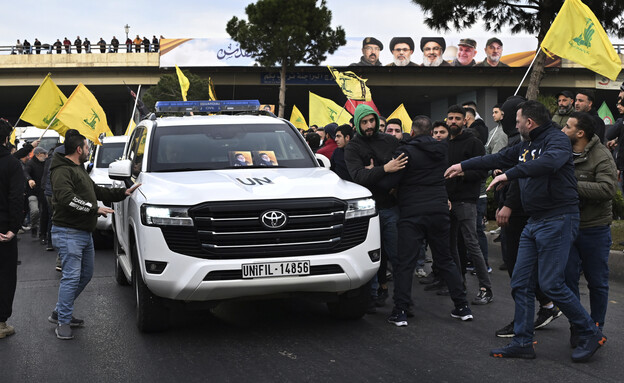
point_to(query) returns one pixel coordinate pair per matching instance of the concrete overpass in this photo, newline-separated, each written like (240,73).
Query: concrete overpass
(423,90)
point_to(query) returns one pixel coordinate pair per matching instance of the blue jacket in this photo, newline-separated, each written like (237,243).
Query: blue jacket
(544,168)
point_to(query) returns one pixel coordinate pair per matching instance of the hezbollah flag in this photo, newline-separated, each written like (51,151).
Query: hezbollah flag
(296,118)
(83,113)
(12,138)
(184,82)
(576,34)
(324,111)
(605,113)
(130,128)
(402,115)
(351,85)
(44,105)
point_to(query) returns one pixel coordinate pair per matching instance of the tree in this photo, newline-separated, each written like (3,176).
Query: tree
(286,32)
(168,89)
(531,16)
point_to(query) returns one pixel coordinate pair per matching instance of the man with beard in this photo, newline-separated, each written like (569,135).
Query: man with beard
(463,192)
(493,53)
(543,165)
(370,52)
(585,103)
(369,157)
(402,49)
(76,210)
(433,48)
(565,106)
(466,52)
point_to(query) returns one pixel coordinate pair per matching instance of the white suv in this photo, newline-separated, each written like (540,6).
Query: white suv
(236,206)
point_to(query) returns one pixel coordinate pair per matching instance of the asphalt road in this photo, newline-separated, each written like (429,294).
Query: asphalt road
(282,341)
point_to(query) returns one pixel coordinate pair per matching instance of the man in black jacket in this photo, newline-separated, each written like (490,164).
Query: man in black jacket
(11,217)
(424,214)
(33,170)
(338,164)
(585,103)
(463,192)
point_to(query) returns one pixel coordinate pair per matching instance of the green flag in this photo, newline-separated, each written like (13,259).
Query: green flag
(605,113)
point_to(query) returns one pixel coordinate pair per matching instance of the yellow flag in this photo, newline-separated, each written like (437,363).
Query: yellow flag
(402,115)
(576,34)
(83,113)
(184,82)
(211,91)
(351,85)
(296,118)
(44,105)
(130,128)
(12,138)
(324,111)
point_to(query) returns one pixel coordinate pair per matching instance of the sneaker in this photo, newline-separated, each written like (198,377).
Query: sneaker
(489,269)
(75,322)
(470,268)
(49,246)
(398,317)
(64,331)
(483,298)
(58,268)
(514,351)
(444,292)
(6,330)
(420,273)
(462,313)
(545,316)
(587,346)
(495,231)
(437,285)
(382,296)
(429,279)
(506,332)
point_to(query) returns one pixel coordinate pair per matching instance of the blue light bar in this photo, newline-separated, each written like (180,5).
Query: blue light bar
(207,106)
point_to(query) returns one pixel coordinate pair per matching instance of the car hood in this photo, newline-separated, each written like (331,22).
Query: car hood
(190,188)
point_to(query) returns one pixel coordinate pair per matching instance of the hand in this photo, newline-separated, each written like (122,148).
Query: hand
(35,143)
(611,144)
(7,237)
(32,184)
(454,171)
(372,165)
(502,216)
(396,164)
(497,172)
(103,211)
(129,191)
(498,181)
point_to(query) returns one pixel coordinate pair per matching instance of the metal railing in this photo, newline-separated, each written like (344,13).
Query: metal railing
(72,49)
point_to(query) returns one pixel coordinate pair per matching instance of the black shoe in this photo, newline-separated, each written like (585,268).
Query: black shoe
(443,292)
(506,332)
(502,267)
(437,285)
(464,313)
(43,241)
(398,317)
(429,279)
(587,346)
(545,316)
(574,336)
(484,297)
(75,322)
(514,351)
(497,239)
(49,247)
(382,296)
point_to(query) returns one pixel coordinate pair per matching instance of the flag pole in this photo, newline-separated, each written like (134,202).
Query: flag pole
(136,100)
(528,70)
(48,127)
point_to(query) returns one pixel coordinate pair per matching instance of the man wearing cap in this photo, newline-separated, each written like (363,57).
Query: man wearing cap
(433,48)
(329,144)
(33,171)
(402,49)
(466,52)
(493,53)
(565,107)
(370,52)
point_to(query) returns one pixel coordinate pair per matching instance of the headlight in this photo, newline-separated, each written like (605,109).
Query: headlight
(361,208)
(165,216)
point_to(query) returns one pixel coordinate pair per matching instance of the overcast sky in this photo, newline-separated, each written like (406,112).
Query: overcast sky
(51,20)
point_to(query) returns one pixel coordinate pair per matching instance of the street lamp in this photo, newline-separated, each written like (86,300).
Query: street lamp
(127,29)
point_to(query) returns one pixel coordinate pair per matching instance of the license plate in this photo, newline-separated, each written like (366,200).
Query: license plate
(275,269)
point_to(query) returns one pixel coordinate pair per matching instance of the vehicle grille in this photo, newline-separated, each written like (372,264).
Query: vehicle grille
(233,230)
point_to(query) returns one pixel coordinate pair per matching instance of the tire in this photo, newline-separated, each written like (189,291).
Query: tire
(351,304)
(151,313)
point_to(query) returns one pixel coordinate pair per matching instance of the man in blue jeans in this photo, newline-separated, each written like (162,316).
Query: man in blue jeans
(76,210)
(596,175)
(543,165)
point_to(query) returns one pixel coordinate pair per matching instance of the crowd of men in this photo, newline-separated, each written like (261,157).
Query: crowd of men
(554,182)
(139,44)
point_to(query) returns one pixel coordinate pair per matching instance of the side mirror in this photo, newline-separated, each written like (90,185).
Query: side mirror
(120,170)
(323,161)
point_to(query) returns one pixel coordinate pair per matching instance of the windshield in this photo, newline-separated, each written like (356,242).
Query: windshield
(208,147)
(108,153)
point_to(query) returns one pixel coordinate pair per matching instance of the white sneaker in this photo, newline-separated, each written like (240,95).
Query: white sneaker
(420,273)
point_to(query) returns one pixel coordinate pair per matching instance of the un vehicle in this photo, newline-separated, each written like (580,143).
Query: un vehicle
(237,207)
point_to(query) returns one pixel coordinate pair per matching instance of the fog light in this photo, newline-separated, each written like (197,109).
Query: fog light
(375,255)
(154,267)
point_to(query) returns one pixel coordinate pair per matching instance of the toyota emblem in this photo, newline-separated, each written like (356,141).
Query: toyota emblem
(273,219)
